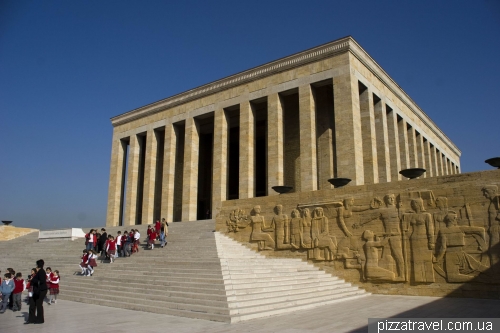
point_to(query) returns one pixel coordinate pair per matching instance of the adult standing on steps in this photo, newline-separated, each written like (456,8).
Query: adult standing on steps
(163,233)
(101,243)
(39,284)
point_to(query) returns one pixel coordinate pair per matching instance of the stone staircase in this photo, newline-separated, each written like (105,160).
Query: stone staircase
(257,286)
(182,279)
(199,274)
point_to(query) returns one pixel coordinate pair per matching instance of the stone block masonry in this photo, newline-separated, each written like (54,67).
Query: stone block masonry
(330,111)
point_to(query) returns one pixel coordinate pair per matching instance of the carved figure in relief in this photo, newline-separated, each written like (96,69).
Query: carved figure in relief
(442,205)
(389,216)
(351,252)
(348,209)
(490,192)
(322,240)
(421,241)
(342,211)
(306,227)
(296,229)
(265,241)
(281,226)
(372,269)
(458,264)
(237,220)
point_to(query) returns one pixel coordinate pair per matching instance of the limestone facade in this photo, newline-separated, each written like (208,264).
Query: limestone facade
(327,112)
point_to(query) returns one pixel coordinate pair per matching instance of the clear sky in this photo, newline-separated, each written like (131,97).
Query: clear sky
(67,67)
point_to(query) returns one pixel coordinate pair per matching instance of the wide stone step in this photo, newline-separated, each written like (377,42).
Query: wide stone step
(267,265)
(164,269)
(235,318)
(130,304)
(299,299)
(121,278)
(174,302)
(263,274)
(258,287)
(277,279)
(158,283)
(219,297)
(279,292)
(161,273)
(218,289)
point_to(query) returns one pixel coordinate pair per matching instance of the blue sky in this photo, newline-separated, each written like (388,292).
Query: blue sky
(67,67)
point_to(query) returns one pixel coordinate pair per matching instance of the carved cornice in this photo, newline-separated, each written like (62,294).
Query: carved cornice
(271,68)
(380,73)
(346,44)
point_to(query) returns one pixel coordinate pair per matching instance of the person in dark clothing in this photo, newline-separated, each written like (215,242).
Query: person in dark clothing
(39,284)
(101,248)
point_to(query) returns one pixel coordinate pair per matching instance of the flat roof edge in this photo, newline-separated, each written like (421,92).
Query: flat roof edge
(342,45)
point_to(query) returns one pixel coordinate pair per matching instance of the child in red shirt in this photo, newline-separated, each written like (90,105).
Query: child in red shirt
(157,229)
(148,234)
(151,238)
(83,262)
(19,287)
(54,286)
(111,249)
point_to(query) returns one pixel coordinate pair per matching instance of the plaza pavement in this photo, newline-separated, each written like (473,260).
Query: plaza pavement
(348,316)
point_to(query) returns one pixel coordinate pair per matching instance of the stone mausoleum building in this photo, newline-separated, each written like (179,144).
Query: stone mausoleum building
(330,111)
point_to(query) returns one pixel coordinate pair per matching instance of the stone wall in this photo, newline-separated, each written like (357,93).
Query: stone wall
(432,236)
(11,232)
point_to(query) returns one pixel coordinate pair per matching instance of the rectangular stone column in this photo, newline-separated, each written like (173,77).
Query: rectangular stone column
(190,180)
(308,157)
(167,191)
(382,134)
(275,173)
(219,185)
(443,164)
(394,151)
(446,165)
(148,199)
(421,153)
(370,162)
(404,150)
(428,159)
(439,157)
(435,163)
(132,181)
(247,151)
(412,147)
(348,139)
(118,151)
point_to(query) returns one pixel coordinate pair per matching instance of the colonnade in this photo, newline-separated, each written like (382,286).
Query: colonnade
(156,172)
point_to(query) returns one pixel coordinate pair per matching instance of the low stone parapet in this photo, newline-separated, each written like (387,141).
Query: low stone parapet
(61,234)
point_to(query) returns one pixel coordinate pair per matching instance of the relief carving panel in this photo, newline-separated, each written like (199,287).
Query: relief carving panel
(406,236)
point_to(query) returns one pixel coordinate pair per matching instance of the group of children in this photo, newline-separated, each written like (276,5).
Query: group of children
(13,285)
(53,279)
(120,246)
(158,232)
